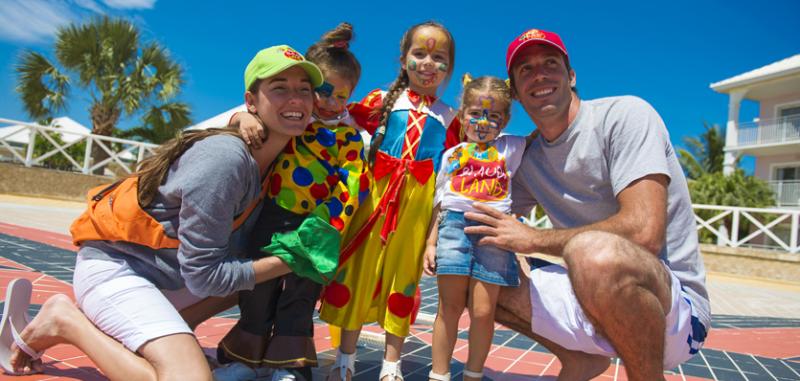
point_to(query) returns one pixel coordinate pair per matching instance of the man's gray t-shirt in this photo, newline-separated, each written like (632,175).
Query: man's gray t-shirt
(611,143)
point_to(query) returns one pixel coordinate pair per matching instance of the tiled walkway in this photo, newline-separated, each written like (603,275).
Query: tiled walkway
(741,346)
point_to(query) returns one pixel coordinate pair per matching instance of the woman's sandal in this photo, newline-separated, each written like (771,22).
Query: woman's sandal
(15,318)
(344,362)
(392,370)
(439,377)
(471,374)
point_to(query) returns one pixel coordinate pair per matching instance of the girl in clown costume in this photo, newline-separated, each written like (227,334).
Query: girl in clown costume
(381,262)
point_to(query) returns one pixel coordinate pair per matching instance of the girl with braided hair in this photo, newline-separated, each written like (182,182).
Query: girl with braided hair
(381,263)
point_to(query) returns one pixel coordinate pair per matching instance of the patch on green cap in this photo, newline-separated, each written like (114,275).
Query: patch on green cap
(275,59)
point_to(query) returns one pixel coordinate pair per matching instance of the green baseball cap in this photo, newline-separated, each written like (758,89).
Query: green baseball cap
(275,59)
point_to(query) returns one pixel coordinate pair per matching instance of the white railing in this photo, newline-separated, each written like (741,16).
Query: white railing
(770,131)
(787,192)
(768,228)
(125,153)
(773,228)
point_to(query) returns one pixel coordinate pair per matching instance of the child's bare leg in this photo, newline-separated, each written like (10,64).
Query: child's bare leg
(482,302)
(349,340)
(452,300)
(347,345)
(393,349)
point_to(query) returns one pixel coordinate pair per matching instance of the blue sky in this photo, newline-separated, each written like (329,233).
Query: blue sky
(665,52)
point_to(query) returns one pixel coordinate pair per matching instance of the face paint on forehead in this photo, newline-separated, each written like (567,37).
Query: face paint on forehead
(487,102)
(431,39)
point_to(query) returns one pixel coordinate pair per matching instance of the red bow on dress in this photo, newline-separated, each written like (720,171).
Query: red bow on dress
(389,205)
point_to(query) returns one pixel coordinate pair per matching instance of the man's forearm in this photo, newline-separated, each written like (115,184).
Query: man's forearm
(552,241)
(641,219)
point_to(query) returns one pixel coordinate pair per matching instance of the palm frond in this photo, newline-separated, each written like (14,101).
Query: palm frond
(41,85)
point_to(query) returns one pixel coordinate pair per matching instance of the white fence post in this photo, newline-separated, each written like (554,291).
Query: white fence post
(31,146)
(735,229)
(793,244)
(87,156)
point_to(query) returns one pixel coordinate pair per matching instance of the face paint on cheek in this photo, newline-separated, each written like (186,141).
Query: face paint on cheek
(325,89)
(342,93)
(443,67)
(411,65)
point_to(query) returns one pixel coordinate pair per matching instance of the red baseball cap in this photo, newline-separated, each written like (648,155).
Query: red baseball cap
(533,36)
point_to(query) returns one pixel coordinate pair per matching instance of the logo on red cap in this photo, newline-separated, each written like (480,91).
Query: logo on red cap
(531,34)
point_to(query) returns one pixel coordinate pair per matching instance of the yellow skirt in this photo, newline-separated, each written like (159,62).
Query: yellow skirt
(378,282)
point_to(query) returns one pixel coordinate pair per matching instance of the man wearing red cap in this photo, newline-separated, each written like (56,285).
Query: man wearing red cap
(607,176)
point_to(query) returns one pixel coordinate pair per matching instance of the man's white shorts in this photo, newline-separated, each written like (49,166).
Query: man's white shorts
(557,316)
(125,305)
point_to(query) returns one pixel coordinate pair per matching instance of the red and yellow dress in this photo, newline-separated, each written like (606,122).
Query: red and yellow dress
(381,260)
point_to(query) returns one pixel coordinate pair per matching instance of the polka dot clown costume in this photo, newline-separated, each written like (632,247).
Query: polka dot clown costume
(319,176)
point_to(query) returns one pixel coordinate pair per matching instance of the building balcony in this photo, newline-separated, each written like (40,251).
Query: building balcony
(769,136)
(787,192)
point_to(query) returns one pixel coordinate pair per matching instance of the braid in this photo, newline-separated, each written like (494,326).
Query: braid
(398,86)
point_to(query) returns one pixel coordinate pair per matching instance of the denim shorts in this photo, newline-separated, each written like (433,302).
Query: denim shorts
(458,253)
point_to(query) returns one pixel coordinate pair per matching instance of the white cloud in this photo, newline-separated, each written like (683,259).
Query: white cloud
(37,21)
(90,5)
(130,4)
(33,21)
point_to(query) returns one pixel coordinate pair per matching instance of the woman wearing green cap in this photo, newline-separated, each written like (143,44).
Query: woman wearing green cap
(199,195)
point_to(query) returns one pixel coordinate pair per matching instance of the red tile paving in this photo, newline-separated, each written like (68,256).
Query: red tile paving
(766,342)
(65,362)
(60,241)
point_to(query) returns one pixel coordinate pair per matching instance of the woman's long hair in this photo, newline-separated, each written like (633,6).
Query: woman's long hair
(153,170)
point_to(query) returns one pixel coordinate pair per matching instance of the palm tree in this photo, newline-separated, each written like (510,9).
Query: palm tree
(160,123)
(705,154)
(105,58)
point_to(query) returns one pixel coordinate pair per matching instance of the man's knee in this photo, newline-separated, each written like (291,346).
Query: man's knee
(594,253)
(603,266)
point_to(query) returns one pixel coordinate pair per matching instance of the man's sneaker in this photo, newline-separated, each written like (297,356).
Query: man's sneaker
(237,371)
(283,375)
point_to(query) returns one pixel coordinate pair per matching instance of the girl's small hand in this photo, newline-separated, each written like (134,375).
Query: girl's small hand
(251,129)
(429,261)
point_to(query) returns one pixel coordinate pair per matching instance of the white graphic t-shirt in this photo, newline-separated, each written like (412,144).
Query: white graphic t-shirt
(470,174)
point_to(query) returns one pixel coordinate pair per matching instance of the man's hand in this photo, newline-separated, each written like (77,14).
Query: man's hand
(501,230)
(429,261)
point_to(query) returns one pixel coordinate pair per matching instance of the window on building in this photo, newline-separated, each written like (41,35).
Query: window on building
(787,173)
(790,111)
(791,122)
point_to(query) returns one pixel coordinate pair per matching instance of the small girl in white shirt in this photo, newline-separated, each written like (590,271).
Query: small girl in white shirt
(469,275)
